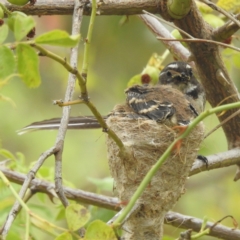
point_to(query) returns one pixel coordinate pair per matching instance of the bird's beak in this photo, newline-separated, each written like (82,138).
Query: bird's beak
(183,76)
(175,74)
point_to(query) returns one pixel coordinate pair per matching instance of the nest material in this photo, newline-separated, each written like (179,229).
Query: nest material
(147,140)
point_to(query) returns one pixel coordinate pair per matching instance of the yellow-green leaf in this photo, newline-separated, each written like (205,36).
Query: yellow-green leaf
(230,5)
(77,216)
(213,20)
(236,60)
(3,33)
(64,236)
(136,79)
(1,13)
(58,38)
(99,230)
(22,26)
(7,154)
(27,63)
(7,62)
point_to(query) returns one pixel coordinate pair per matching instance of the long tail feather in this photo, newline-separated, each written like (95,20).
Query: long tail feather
(87,122)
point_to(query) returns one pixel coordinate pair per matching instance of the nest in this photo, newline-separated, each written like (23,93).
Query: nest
(147,140)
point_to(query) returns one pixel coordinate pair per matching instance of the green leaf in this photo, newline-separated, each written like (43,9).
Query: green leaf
(7,154)
(236,60)
(99,230)
(3,33)
(77,216)
(136,79)
(61,213)
(213,20)
(22,26)
(14,235)
(104,184)
(58,38)
(64,236)
(27,62)
(232,6)
(7,62)
(167,238)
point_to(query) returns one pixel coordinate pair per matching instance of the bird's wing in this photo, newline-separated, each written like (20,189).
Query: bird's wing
(142,100)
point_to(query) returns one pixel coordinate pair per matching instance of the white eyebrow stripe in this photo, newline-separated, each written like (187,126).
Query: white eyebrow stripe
(173,65)
(188,66)
(191,88)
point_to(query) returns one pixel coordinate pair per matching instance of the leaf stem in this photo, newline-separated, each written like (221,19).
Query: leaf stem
(24,206)
(5,9)
(88,40)
(65,64)
(82,83)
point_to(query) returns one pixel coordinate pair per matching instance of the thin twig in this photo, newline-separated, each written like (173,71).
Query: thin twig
(176,48)
(169,24)
(201,40)
(27,181)
(23,204)
(192,39)
(226,31)
(88,41)
(72,69)
(103,124)
(76,24)
(77,195)
(188,222)
(224,121)
(218,9)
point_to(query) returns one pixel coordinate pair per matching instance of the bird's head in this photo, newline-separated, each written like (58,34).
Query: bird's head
(179,75)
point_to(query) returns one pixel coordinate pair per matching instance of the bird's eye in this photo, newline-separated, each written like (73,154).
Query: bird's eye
(169,74)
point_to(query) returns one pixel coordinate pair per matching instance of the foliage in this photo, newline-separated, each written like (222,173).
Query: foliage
(20,58)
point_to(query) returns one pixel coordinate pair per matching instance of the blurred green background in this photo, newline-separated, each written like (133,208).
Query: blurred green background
(118,52)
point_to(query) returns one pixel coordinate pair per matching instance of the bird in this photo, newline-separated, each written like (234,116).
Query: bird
(161,104)
(178,76)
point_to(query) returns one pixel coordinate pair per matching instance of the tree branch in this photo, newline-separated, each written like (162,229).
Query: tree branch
(226,31)
(72,194)
(76,25)
(215,161)
(213,74)
(219,160)
(106,7)
(172,218)
(182,221)
(176,48)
